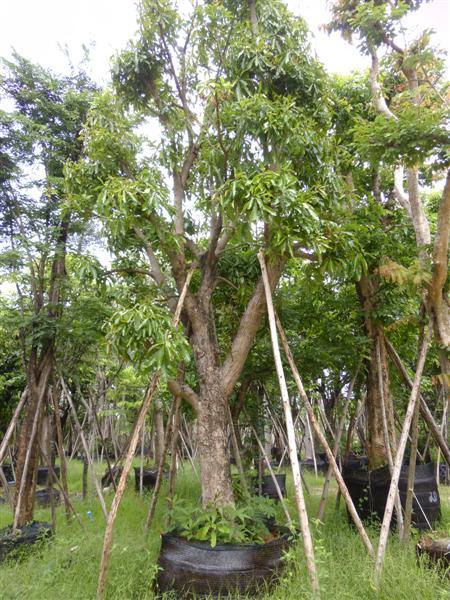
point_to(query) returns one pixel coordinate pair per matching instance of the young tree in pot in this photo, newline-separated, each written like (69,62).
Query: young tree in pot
(242,123)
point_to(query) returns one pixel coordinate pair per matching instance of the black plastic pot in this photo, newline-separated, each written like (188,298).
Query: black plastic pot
(194,569)
(442,474)
(43,474)
(8,471)
(116,473)
(308,464)
(369,491)
(44,497)
(148,478)
(268,486)
(29,534)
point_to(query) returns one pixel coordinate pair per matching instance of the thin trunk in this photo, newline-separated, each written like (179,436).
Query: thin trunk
(158,428)
(174,446)
(414,398)
(159,476)
(378,398)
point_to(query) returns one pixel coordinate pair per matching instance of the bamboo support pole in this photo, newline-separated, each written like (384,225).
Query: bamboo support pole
(12,425)
(274,479)
(414,397)
(237,454)
(141,464)
(62,457)
(173,452)
(424,410)
(4,482)
(303,515)
(107,540)
(159,475)
(387,441)
(87,453)
(337,441)
(34,430)
(340,481)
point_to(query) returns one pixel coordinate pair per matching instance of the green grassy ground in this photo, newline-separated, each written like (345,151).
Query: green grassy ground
(66,567)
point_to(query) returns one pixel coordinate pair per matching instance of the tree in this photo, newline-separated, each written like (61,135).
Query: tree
(405,130)
(40,134)
(240,121)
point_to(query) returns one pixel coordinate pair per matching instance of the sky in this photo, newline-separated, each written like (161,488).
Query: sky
(38,28)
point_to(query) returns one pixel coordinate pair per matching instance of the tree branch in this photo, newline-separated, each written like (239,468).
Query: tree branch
(248,326)
(184,391)
(156,271)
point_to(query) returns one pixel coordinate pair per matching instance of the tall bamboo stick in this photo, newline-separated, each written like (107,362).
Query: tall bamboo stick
(87,453)
(303,515)
(414,397)
(387,441)
(322,439)
(11,426)
(424,410)
(337,441)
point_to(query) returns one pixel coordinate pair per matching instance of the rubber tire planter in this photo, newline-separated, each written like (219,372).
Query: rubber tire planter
(369,491)
(192,568)
(27,535)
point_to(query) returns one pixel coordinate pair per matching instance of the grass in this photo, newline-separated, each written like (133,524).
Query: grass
(66,567)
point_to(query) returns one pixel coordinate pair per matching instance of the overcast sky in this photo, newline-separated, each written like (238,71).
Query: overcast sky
(36,27)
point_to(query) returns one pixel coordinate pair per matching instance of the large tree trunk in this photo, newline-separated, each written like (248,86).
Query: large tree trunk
(212,438)
(378,397)
(37,389)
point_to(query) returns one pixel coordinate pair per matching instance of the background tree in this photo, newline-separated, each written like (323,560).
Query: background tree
(40,133)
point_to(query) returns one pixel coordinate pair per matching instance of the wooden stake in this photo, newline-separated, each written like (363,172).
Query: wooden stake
(322,439)
(303,515)
(424,410)
(24,474)
(387,441)
(274,479)
(86,449)
(337,441)
(107,540)
(173,453)
(62,457)
(399,458)
(159,475)
(237,454)
(12,425)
